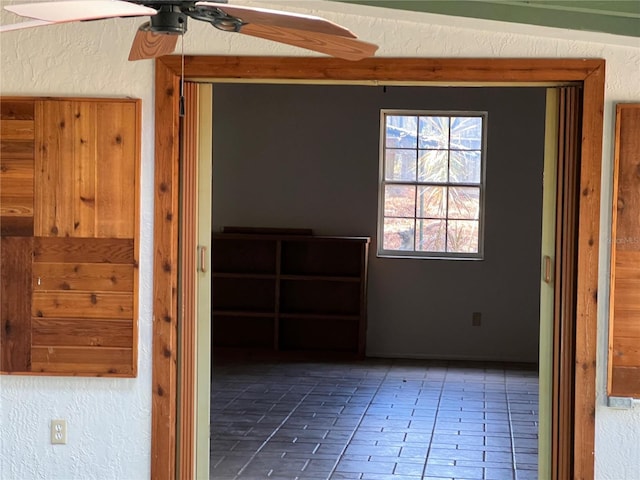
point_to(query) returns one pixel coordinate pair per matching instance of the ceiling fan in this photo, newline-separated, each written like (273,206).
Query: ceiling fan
(168,21)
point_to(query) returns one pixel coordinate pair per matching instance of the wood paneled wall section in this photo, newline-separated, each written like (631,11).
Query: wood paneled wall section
(84,173)
(17,137)
(15,303)
(82,306)
(624,334)
(71,237)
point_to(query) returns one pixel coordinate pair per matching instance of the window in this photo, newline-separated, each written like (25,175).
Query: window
(431,184)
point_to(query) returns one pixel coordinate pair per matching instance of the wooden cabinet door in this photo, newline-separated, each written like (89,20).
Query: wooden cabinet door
(73,310)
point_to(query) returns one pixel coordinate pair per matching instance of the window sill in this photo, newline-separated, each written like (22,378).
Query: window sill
(425,257)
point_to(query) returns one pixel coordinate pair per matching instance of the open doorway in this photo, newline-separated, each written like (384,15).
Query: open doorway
(452,71)
(301,156)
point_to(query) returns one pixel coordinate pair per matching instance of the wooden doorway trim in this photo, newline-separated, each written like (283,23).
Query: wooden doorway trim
(587,73)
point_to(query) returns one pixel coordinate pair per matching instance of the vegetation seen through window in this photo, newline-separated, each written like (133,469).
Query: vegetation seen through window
(432,184)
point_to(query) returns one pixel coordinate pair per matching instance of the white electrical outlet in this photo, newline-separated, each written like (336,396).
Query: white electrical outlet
(59,432)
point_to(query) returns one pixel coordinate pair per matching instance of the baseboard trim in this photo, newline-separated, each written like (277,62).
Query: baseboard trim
(451,358)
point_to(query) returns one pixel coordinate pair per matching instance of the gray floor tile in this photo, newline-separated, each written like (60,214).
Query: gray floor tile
(452,471)
(377,419)
(408,469)
(499,457)
(455,454)
(365,467)
(499,474)
(400,476)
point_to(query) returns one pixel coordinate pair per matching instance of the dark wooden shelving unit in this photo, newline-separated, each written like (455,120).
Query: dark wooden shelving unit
(289,292)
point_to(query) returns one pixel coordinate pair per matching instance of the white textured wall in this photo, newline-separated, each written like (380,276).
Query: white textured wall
(109,420)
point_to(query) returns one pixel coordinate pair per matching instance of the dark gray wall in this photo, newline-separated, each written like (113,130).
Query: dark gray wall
(307,156)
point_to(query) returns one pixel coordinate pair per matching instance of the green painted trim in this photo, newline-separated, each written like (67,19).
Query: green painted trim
(619,17)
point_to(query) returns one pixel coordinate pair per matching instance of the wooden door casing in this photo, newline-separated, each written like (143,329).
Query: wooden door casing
(589,73)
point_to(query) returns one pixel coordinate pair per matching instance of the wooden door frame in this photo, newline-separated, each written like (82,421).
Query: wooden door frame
(589,73)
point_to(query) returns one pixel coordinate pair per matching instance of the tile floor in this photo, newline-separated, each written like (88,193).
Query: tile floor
(378,419)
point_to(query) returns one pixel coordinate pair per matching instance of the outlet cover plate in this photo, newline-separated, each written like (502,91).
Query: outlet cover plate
(58,432)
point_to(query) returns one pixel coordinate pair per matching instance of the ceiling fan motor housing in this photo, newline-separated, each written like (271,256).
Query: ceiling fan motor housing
(169,20)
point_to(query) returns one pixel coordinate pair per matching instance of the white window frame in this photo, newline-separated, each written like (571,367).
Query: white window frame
(416,254)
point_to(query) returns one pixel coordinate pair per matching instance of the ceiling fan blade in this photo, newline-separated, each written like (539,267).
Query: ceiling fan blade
(340,47)
(147,44)
(21,25)
(76,10)
(277,18)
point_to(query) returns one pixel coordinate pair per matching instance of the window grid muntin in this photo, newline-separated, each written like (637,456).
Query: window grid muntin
(446,219)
